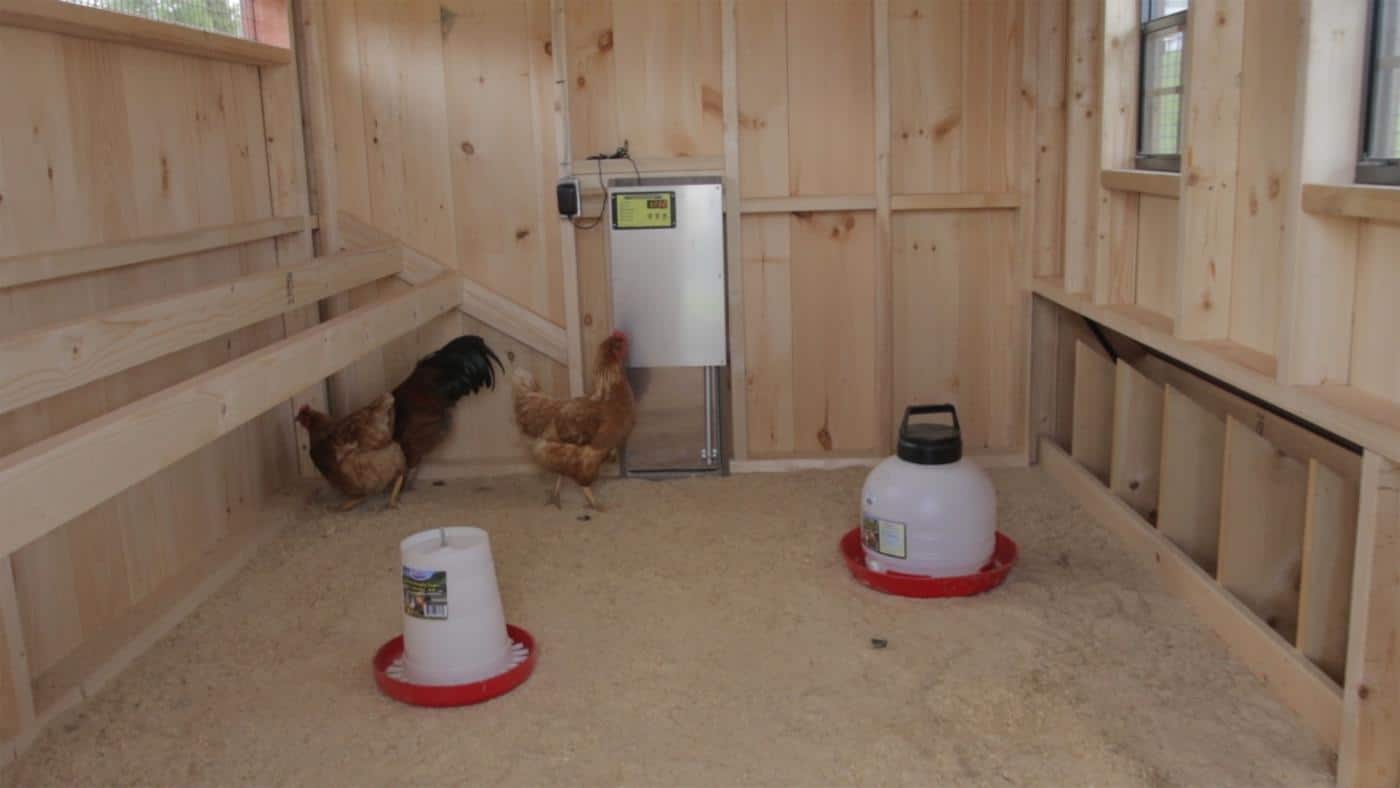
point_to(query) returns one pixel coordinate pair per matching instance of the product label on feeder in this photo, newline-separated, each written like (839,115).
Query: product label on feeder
(424,593)
(885,537)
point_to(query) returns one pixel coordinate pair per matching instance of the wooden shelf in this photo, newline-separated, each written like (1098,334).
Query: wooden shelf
(1353,201)
(957,201)
(840,202)
(1362,419)
(1162,184)
(52,16)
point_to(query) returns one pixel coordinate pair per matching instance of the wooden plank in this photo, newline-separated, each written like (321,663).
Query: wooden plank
(93,23)
(1082,150)
(1261,527)
(1309,692)
(1369,753)
(1270,72)
(1161,184)
(42,266)
(1092,434)
(669,100)
(17,711)
(1353,201)
(1329,551)
(993,100)
(830,64)
(963,201)
(1116,250)
(1375,366)
(762,59)
(126,445)
(1157,258)
(738,429)
(959,327)
(885,427)
(591,68)
(768,339)
(562,46)
(1193,456)
(926,86)
(1047,251)
(1319,268)
(1209,163)
(1135,457)
(53,359)
(807,204)
(1353,415)
(507,232)
(833,314)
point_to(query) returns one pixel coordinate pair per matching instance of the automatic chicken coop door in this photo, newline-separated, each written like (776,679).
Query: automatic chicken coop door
(666,237)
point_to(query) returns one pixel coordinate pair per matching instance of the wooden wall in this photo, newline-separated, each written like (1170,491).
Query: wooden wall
(441,132)
(903,282)
(103,142)
(1209,254)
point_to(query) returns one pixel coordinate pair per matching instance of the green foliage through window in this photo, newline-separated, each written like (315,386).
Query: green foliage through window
(217,16)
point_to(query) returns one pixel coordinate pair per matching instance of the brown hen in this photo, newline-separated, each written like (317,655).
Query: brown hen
(574,437)
(357,454)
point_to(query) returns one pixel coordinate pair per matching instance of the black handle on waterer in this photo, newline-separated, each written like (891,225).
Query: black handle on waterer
(923,410)
(936,446)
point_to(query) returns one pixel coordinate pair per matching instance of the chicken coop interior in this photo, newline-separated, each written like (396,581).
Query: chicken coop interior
(646,290)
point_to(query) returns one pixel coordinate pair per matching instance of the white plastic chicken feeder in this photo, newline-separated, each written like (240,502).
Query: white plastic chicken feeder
(928,511)
(456,646)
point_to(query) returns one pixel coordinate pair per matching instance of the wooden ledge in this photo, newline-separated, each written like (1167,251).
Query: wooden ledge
(52,16)
(1353,201)
(1161,184)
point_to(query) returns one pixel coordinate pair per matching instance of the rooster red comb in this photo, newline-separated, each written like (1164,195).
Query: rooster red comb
(617,334)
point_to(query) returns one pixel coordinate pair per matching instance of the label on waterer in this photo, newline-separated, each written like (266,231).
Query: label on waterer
(885,537)
(424,593)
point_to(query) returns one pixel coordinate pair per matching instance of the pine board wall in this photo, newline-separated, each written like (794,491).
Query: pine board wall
(898,165)
(105,142)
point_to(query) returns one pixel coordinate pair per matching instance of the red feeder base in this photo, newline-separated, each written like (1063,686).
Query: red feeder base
(900,584)
(454,694)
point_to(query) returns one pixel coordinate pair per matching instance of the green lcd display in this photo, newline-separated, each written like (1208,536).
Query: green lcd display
(644,210)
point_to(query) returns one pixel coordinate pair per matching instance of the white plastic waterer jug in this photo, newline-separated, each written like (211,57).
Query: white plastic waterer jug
(928,510)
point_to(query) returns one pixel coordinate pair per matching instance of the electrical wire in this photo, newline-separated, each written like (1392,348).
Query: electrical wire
(622,153)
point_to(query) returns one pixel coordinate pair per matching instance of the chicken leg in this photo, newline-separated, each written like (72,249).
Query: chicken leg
(553,499)
(592,502)
(394,493)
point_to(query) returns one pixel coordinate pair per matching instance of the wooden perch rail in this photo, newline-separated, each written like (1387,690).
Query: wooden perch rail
(57,479)
(42,266)
(48,361)
(479,302)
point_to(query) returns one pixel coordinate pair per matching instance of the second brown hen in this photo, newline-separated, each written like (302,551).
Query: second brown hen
(574,437)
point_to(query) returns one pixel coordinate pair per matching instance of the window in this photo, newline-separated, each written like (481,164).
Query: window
(1160,86)
(215,16)
(1380,144)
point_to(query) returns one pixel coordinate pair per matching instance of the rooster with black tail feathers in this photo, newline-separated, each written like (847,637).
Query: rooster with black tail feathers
(423,403)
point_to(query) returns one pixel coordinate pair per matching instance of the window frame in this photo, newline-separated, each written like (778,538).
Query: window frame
(1158,162)
(1371,170)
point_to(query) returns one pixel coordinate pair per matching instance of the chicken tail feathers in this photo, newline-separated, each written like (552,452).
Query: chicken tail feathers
(465,366)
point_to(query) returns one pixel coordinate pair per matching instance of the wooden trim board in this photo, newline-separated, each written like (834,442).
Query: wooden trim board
(844,202)
(53,16)
(1312,694)
(738,427)
(50,482)
(51,360)
(42,266)
(510,318)
(962,201)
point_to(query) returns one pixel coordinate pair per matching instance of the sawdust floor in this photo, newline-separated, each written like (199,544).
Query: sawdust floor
(701,633)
